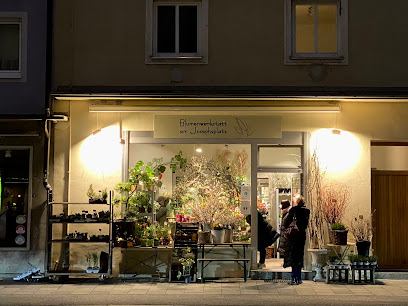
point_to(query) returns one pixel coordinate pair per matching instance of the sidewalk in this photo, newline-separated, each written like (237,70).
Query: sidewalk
(221,292)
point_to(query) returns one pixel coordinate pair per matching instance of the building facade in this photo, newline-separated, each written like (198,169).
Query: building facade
(294,69)
(23,103)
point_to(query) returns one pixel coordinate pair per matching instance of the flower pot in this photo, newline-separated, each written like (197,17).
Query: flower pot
(318,262)
(374,264)
(144,242)
(156,242)
(137,241)
(338,237)
(228,236)
(363,248)
(89,270)
(218,235)
(187,279)
(204,237)
(95,270)
(150,242)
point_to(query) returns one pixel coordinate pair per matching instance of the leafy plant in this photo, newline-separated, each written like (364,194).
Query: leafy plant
(95,258)
(352,257)
(338,227)
(373,258)
(362,229)
(104,194)
(91,193)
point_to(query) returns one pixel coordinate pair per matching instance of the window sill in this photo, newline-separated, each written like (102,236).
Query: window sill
(297,60)
(10,75)
(176,60)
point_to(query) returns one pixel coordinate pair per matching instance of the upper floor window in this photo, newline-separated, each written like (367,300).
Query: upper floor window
(11,45)
(316,31)
(176,31)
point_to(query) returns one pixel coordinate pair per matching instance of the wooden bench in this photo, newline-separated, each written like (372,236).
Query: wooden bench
(206,261)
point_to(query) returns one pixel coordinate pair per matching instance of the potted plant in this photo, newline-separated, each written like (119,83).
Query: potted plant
(187,261)
(362,231)
(218,233)
(91,194)
(353,259)
(338,234)
(316,229)
(360,260)
(373,259)
(334,200)
(88,257)
(95,258)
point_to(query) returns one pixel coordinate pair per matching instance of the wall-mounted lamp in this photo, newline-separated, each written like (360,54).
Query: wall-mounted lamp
(336,132)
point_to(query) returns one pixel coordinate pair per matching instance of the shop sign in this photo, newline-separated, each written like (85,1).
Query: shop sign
(217,126)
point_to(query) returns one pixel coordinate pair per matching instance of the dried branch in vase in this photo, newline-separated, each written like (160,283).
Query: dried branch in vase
(334,198)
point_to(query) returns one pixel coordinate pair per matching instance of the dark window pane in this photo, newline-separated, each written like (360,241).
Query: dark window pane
(166,29)
(9,47)
(188,29)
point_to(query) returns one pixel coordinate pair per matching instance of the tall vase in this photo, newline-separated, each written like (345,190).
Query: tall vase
(218,235)
(318,262)
(228,235)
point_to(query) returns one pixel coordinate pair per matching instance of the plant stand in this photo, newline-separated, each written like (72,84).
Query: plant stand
(365,274)
(318,262)
(335,273)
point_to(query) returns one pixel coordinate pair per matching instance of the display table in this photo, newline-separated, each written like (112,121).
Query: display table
(340,250)
(239,258)
(134,262)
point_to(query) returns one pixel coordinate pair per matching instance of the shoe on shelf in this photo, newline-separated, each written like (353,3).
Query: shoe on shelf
(261,266)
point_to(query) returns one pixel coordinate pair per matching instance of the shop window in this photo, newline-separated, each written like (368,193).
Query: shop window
(15,200)
(11,44)
(177,31)
(316,31)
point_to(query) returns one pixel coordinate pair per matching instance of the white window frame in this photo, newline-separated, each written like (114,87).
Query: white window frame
(30,200)
(153,57)
(19,18)
(339,58)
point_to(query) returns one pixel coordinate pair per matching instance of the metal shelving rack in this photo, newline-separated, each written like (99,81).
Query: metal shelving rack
(56,274)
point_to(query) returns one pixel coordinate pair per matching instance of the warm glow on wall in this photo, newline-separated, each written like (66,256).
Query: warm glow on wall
(338,151)
(101,153)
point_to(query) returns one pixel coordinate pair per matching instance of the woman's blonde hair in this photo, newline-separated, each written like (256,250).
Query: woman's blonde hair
(299,200)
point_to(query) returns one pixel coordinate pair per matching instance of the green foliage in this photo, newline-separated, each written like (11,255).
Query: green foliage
(104,194)
(361,258)
(95,258)
(338,227)
(91,193)
(179,160)
(373,258)
(352,257)
(88,257)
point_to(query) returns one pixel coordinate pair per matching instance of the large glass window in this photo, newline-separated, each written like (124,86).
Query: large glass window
(15,197)
(9,46)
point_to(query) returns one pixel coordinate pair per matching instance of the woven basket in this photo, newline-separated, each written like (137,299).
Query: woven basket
(338,237)
(269,252)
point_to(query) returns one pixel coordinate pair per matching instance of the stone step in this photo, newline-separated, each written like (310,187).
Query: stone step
(276,275)
(391,275)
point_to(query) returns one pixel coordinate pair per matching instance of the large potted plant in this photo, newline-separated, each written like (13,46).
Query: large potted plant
(362,231)
(334,200)
(316,228)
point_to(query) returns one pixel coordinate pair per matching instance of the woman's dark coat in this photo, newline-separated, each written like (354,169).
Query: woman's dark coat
(297,243)
(284,243)
(266,233)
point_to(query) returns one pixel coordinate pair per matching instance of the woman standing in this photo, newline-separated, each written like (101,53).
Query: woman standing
(284,243)
(297,242)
